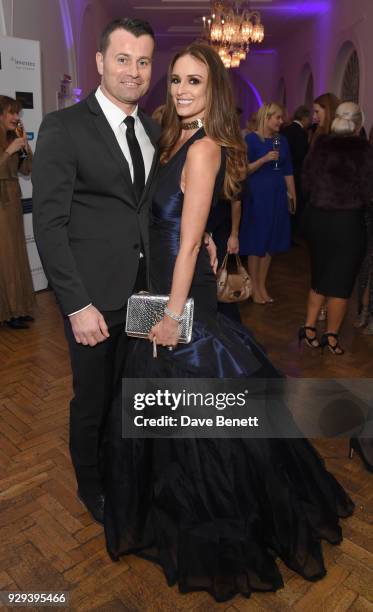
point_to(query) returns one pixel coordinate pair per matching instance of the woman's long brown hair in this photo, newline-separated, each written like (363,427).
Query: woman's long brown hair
(220,118)
(329,102)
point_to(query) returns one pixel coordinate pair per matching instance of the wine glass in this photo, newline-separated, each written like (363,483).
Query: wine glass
(276,142)
(20,132)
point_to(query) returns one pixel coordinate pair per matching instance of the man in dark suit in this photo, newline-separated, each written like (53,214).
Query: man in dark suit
(297,136)
(93,173)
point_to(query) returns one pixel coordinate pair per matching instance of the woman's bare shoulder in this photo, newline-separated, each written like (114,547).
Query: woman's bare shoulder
(204,149)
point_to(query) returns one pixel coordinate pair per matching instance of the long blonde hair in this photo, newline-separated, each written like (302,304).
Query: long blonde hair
(220,120)
(264,113)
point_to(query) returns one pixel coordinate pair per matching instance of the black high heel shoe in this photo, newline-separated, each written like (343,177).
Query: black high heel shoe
(336,348)
(355,446)
(312,342)
(17,323)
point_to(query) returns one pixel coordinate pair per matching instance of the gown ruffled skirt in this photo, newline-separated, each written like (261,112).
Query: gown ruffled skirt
(214,513)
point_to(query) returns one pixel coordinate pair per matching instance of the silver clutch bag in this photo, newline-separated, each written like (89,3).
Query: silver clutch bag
(145,310)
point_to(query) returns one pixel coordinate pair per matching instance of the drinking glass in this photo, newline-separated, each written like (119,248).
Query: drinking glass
(20,132)
(276,142)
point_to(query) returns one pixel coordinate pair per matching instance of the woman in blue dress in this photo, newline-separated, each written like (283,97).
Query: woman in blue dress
(265,224)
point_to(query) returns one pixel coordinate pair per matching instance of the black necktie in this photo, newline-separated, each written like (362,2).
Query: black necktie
(137,158)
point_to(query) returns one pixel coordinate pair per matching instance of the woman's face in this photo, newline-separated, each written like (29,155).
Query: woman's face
(9,120)
(189,80)
(319,115)
(275,122)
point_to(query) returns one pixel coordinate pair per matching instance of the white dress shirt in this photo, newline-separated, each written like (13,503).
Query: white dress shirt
(115,117)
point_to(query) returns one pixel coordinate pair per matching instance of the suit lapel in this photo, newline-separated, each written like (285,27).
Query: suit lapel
(111,142)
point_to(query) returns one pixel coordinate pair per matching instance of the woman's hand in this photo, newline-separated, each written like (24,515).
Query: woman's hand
(16,145)
(211,249)
(166,332)
(233,245)
(271,156)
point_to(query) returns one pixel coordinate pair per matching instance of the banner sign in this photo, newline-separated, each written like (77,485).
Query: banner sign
(20,78)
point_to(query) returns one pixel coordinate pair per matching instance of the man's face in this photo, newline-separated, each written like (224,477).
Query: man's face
(126,67)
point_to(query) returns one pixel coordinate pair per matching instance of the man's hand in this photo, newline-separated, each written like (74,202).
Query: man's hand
(211,249)
(89,327)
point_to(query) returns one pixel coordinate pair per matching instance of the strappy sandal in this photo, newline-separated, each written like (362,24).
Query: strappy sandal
(336,348)
(311,342)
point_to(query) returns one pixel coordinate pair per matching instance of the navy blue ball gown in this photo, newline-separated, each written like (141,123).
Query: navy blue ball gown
(214,513)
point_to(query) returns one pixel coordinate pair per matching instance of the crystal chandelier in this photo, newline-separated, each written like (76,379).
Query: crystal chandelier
(231,29)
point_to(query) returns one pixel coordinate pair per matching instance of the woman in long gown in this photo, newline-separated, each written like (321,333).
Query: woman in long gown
(214,513)
(16,288)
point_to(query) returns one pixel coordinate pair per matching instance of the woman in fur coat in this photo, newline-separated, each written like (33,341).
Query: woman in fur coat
(338,179)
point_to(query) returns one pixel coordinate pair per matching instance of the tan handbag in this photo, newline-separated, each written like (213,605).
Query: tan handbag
(233,286)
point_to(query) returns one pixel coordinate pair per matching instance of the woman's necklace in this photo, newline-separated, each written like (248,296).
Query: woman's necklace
(192,125)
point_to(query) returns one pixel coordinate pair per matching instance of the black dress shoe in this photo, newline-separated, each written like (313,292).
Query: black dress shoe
(27,318)
(17,324)
(94,502)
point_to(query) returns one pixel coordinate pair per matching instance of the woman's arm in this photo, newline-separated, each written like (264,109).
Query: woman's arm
(6,154)
(233,245)
(200,171)
(290,185)
(270,156)
(253,166)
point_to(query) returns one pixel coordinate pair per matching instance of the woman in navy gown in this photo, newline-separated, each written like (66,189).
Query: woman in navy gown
(265,223)
(214,513)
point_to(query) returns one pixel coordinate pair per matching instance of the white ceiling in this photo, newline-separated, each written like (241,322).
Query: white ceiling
(178,22)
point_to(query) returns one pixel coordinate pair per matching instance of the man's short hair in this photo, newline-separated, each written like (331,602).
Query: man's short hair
(302,112)
(137,27)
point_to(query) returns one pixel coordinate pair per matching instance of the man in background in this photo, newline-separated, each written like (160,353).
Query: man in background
(297,136)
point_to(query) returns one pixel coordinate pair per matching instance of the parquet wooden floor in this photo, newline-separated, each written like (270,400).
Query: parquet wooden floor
(49,542)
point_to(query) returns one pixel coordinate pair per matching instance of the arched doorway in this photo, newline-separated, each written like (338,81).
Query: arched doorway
(309,96)
(281,92)
(306,86)
(351,79)
(247,97)
(346,80)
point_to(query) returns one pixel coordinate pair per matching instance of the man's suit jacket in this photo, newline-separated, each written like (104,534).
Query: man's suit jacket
(298,144)
(88,224)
